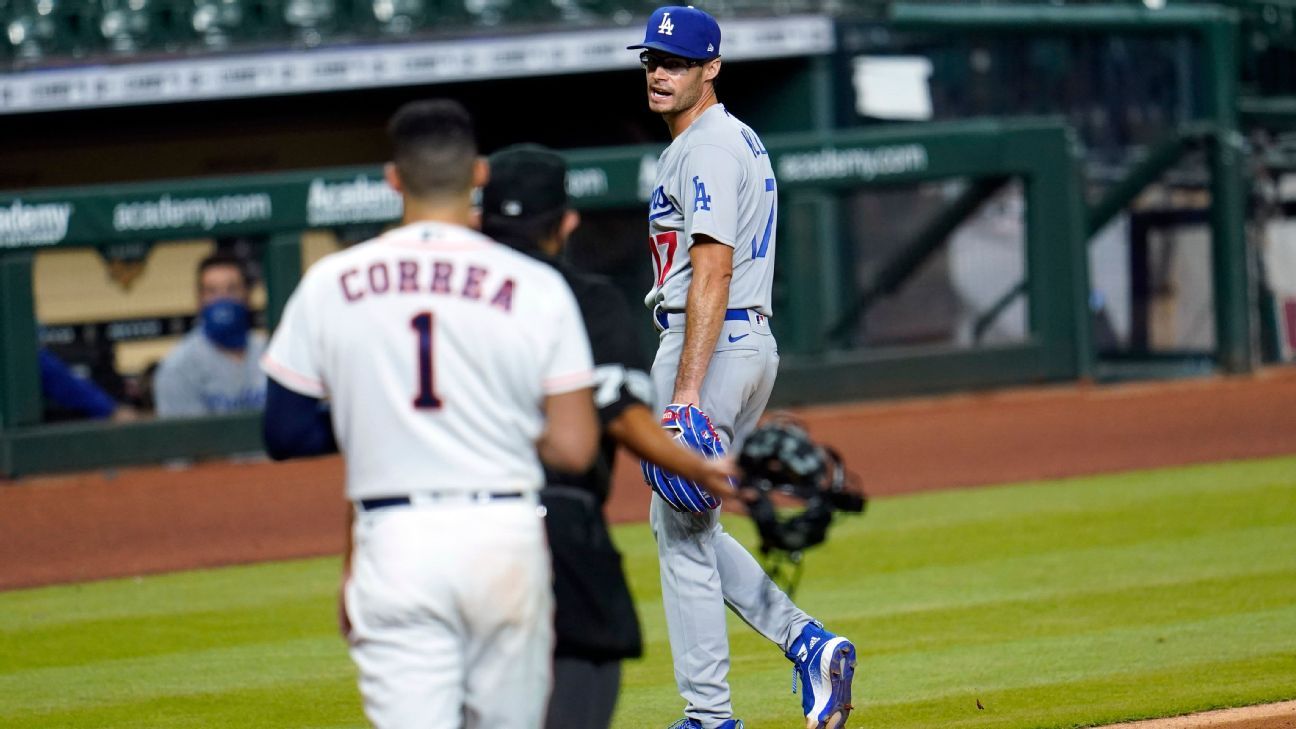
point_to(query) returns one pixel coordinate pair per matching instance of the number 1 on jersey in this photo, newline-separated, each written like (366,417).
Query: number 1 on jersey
(427,399)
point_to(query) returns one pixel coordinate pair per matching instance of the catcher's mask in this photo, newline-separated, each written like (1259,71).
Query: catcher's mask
(779,457)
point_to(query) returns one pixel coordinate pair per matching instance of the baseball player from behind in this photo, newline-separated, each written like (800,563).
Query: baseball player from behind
(449,362)
(712,220)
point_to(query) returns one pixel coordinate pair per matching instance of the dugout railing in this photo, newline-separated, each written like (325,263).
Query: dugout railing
(813,170)
(1216,128)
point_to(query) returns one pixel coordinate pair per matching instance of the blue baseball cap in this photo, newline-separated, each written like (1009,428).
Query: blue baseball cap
(682,31)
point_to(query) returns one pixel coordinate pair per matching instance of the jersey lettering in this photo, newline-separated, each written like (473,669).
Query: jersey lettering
(441,277)
(351,294)
(379,281)
(426,398)
(753,142)
(762,249)
(477,284)
(661,204)
(666,27)
(663,247)
(408,276)
(701,200)
(503,299)
(472,284)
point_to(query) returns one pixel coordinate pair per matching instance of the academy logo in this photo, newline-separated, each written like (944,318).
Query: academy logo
(33,225)
(666,27)
(864,164)
(361,200)
(206,213)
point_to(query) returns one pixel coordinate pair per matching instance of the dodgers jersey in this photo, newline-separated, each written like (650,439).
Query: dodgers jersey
(715,179)
(436,346)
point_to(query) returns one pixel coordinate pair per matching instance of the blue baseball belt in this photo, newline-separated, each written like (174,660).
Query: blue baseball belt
(663,320)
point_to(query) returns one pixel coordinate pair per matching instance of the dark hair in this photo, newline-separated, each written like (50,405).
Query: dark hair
(225,259)
(524,233)
(434,147)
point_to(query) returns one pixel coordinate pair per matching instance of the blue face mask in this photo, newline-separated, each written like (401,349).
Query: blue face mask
(226,323)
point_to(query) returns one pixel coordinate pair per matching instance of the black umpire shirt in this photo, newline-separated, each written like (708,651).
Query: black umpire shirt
(595,618)
(621,378)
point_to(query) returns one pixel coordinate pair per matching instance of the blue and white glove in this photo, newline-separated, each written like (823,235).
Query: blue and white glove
(690,427)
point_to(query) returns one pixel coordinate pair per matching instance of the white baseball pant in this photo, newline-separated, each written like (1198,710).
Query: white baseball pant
(451,610)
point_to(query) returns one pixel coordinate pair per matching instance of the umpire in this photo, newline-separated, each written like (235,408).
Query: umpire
(524,205)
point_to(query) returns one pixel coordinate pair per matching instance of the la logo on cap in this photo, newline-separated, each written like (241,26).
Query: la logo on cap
(666,27)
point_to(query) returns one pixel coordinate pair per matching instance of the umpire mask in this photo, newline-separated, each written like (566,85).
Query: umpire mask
(226,322)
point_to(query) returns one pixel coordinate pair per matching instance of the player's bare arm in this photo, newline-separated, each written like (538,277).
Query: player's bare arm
(569,442)
(640,431)
(708,296)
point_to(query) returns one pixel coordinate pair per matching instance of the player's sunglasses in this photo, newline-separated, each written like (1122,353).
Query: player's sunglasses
(673,64)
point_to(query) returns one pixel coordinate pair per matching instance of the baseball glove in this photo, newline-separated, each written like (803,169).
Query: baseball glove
(692,428)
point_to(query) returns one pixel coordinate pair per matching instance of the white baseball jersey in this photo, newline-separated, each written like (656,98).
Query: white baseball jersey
(714,179)
(436,347)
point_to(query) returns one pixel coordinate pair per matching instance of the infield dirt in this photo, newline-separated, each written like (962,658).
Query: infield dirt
(142,520)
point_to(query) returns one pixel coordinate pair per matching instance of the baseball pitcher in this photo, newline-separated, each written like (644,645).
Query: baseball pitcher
(712,220)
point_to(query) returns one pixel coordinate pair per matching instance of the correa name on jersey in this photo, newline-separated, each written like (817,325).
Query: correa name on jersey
(422,276)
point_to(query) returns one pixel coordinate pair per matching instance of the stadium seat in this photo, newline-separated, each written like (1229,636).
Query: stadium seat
(132,26)
(216,24)
(310,22)
(39,31)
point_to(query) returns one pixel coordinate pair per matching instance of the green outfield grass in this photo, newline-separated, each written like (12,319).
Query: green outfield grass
(1060,604)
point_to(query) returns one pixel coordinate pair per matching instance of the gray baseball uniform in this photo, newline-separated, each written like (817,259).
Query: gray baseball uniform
(715,179)
(196,378)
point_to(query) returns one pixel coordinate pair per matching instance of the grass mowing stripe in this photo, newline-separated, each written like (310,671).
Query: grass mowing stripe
(1149,606)
(1082,655)
(948,694)
(325,703)
(1046,574)
(1121,696)
(1041,575)
(251,586)
(902,677)
(1130,490)
(977,535)
(90,641)
(1109,526)
(134,679)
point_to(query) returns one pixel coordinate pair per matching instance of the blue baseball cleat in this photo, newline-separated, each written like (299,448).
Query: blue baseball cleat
(687,723)
(825,664)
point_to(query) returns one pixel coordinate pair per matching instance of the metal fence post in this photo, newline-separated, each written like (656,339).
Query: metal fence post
(1228,201)
(282,265)
(20,387)
(810,271)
